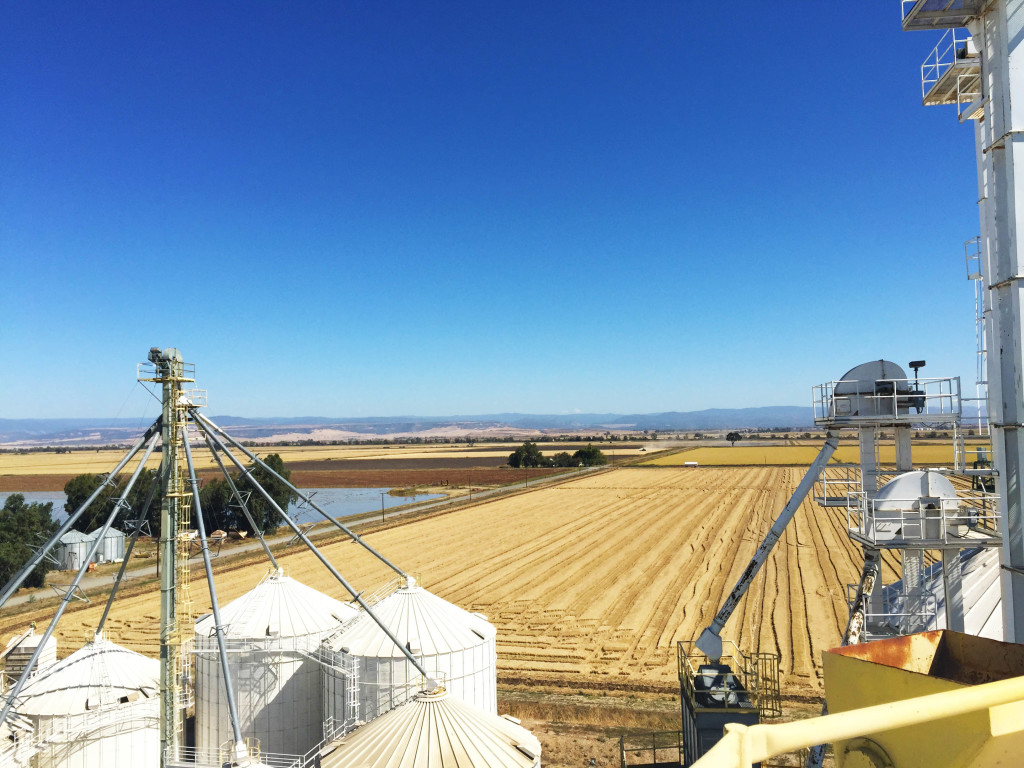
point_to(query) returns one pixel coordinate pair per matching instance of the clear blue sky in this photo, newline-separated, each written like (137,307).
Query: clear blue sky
(433,208)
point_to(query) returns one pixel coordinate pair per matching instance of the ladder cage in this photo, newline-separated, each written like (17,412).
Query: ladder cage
(756,674)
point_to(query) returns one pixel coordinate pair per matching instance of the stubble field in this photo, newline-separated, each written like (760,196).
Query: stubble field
(590,583)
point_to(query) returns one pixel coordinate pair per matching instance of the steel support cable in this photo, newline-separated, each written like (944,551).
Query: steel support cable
(356,596)
(20,576)
(238,496)
(301,495)
(101,534)
(240,750)
(137,526)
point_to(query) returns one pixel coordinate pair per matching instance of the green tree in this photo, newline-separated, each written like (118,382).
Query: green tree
(732,437)
(216,499)
(262,512)
(527,455)
(563,459)
(22,525)
(78,489)
(589,457)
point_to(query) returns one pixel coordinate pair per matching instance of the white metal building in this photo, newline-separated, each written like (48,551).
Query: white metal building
(74,546)
(273,633)
(455,646)
(437,729)
(111,548)
(71,550)
(98,707)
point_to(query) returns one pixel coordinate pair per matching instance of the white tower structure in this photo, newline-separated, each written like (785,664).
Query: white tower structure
(882,403)
(451,643)
(997,36)
(272,632)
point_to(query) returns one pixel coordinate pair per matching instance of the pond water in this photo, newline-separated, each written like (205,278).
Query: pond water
(337,502)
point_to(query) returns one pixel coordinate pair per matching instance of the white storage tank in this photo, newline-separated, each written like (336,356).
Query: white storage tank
(437,729)
(111,548)
(98,707)
(273,633)
(71,550)
(450,643)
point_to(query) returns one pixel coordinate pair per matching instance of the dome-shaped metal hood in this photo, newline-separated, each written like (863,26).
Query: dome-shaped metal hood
(428,625)
(437,730)
(97,675)
(279,606)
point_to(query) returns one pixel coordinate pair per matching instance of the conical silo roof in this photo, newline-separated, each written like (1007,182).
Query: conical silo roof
(429,624)
(96,675)
(279,606)
(437,730)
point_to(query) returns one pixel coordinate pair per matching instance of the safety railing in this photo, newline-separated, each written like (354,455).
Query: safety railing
(836,484)
(909,401)
(192,757)
(736,680)
(151,372)
(969,519)
(956,46)
(651,749)
(898,612)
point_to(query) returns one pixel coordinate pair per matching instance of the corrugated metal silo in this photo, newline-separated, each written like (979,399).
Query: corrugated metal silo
(437,729)
(99,706)
(71,550)
(273,633)
(455,645)
(111,546)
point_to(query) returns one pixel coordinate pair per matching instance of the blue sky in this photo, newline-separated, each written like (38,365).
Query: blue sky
(431,208)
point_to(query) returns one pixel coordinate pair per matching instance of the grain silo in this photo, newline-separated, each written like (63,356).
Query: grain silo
(272,633)
(452,644)
(99,706)
(437,729)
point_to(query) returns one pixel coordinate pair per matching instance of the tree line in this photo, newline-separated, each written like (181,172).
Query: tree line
(529,455)
(220,509)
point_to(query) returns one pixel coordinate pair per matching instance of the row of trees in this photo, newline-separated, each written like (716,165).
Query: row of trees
(220,510)
(529,455)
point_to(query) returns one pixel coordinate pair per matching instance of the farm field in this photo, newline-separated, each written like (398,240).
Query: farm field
(930,454)
(318,458)
(591,582)
(343,466)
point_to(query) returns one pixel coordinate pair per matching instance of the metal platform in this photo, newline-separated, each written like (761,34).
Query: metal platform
(887,402)
(951,74)
(970,520)
(939,14)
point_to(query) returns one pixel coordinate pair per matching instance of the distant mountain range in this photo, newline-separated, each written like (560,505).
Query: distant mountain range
(29,432)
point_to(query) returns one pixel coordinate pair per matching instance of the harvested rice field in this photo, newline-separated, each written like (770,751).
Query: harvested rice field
(926,454)
(590,582)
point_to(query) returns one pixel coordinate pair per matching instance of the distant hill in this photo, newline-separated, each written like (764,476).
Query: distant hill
(28,432)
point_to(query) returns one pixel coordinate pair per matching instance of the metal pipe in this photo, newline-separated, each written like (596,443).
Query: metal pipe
(240,750)
(742,745)
(74,584)
(356,596)
(710,641)
(304,497)
(238,497)
(19,578)
(128,552)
